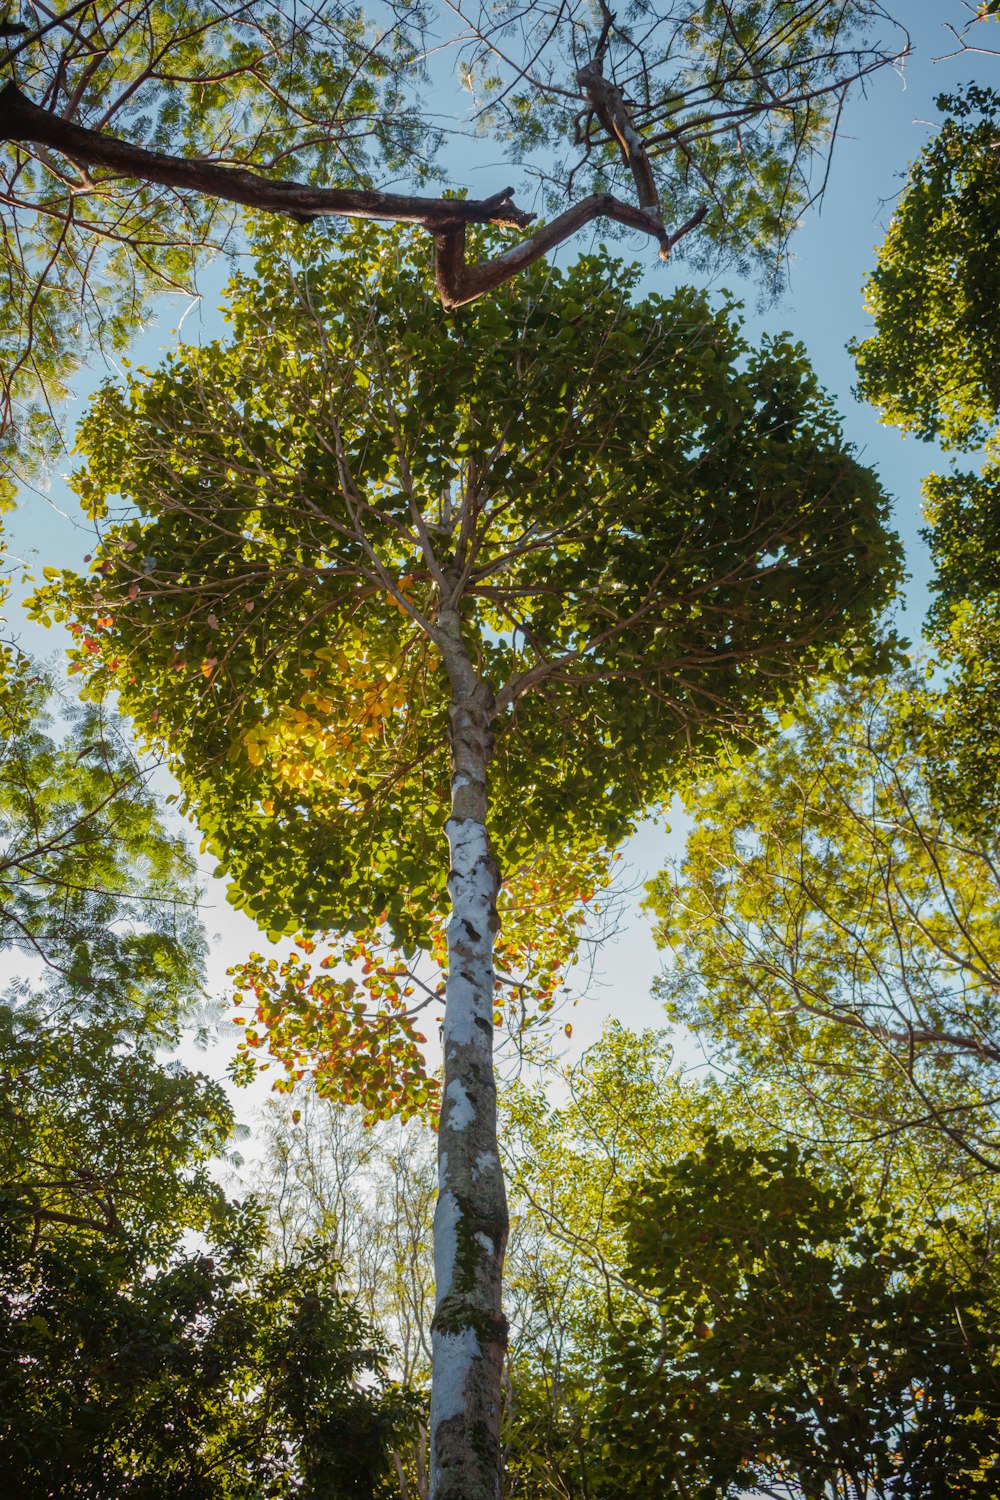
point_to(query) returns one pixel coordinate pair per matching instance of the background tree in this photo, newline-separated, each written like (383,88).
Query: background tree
(134,1365)
(931,366)
(832,932)
(367,1191)
(210,1375)
(953,718)
(653,104)
(84,249)
(628,1114)
(99,913)
(578,540)
(93,889)
(620,1109)
(792,1345)
(131,133)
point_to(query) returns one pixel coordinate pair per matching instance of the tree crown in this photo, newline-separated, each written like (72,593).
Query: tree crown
(649,532)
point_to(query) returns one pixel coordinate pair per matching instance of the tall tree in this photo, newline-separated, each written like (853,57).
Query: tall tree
(578,540)
(129,135)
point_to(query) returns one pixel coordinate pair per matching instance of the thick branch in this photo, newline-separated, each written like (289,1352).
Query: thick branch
(26,123)
(606,100)
(76,1221)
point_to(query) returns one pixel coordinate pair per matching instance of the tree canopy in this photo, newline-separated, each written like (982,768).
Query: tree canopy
(830,930)
(791,1343)
(656,532)
(931,364)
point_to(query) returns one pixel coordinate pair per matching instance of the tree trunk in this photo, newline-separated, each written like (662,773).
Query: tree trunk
(469,1331)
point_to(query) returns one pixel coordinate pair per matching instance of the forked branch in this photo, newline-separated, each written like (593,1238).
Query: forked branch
(607,102)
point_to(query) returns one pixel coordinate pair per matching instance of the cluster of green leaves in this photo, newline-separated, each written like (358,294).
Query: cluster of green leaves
(960,706)
(669,515)
(931,366)
(792,1340)
(318,97)
(127,938)
(97,1133)
(211,1376)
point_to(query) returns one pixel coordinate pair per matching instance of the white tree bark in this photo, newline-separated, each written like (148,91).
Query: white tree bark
(469,1331)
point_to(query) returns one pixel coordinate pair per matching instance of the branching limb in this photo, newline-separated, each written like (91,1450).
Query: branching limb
(608,104)
(458,283)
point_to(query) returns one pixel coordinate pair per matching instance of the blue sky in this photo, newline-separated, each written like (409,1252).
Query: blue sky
(880,133)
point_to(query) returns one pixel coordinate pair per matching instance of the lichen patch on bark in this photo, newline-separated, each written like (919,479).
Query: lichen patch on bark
(462,1112)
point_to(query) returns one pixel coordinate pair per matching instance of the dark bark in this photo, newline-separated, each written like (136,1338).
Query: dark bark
(25,123)
(458,283)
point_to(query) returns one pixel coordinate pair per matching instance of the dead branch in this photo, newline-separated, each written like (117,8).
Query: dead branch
(607,102)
